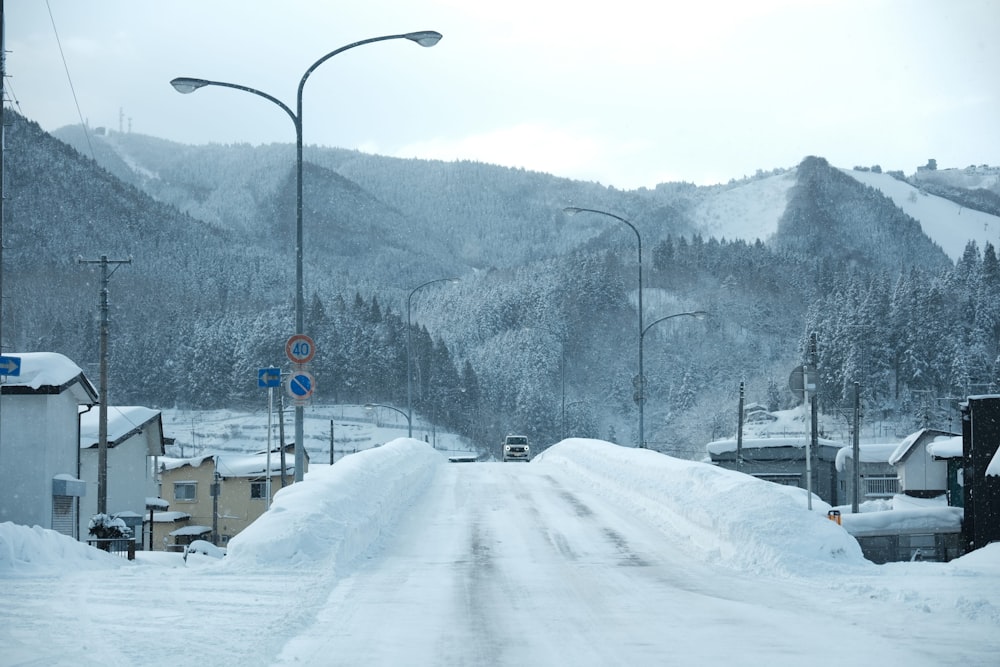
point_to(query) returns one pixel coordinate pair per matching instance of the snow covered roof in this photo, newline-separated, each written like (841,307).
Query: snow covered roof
(123,423)
(911,441)
(874,453)
(191,530)
(153,503)
(171,463)
(993,469)
(251,465)
(797,441)
(235,465)
(42,372)
(946,448)
(170,517)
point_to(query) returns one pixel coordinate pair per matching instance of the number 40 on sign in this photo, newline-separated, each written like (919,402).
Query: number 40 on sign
(300,349)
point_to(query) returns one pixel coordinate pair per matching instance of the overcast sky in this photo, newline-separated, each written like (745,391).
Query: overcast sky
(627,93)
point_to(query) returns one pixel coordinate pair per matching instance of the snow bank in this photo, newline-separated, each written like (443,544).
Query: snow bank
(720,515)
(37,550)
(338,511)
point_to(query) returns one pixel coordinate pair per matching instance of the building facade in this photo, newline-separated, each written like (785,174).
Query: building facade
(40,483)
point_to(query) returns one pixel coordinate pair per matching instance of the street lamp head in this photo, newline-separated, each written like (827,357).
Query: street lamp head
(572,210)
(185,84)
(424,37)
(699,314)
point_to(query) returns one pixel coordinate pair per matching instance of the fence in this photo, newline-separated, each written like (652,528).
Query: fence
(121,546)
(881,487)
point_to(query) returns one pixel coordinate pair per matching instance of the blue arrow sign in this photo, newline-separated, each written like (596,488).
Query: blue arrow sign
(10,365)
(268,378)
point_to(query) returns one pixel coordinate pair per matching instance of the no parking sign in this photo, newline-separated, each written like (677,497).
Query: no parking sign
(301,385)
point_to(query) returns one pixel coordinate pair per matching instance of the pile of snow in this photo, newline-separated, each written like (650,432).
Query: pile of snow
(35,549)
(720,515)
(339,511)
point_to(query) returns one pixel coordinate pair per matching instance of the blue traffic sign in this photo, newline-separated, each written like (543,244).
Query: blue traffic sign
(301,385)
(268,378)
(10,365)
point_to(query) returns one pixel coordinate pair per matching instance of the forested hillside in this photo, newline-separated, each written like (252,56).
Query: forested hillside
(540,333)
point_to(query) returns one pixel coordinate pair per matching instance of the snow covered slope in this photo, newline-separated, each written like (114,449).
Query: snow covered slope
(948,224)
(747,211)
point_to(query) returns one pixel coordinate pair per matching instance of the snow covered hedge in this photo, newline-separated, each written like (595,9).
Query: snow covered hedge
(719,515)
(337,512)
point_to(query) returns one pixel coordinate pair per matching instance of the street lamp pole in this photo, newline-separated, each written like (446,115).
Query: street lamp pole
(409,366)
(189,85)
(698,315)
(641,397)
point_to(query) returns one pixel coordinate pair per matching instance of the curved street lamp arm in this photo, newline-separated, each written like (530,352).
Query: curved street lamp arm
(572,210)
(369,406)
(185,85)
(429,282)
(425,38)
(697,314)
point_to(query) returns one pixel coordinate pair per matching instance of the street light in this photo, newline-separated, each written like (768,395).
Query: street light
(372,406)
(572,210)
(698,315)
(409,371)
(189,85)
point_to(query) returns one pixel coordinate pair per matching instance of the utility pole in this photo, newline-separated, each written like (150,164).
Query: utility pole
(3,155)
(856,450)
(281,438)
(102,446)
(739,432)
(813,414)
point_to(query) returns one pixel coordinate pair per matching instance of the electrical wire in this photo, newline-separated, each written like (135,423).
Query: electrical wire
(79,113)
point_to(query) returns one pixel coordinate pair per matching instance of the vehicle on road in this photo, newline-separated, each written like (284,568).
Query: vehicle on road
(515,448)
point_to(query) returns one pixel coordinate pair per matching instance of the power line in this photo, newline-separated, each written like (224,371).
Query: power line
(79,113)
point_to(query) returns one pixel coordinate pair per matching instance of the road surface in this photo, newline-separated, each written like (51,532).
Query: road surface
(508,564)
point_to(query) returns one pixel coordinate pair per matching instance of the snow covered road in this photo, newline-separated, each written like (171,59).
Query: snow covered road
(590,555)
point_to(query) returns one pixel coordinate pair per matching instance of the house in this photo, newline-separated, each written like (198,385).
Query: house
(877,478)
(164,523)
(41,397)
(774,448)
(226,492)
(782,460)
(921,474)
(135,442)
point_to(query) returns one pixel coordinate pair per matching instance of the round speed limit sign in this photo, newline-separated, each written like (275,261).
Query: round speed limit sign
(300,349)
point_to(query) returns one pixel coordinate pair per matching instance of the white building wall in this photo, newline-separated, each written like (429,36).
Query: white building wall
(40,439)
(130,480)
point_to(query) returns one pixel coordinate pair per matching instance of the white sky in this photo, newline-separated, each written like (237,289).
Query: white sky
(628,93)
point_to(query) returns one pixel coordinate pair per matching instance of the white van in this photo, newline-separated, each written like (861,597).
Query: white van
(515,448)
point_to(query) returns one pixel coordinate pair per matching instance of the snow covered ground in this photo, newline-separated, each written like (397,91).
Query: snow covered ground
(592,554)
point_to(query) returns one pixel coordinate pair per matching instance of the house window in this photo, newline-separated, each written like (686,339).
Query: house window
(258,490)
(186,491)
